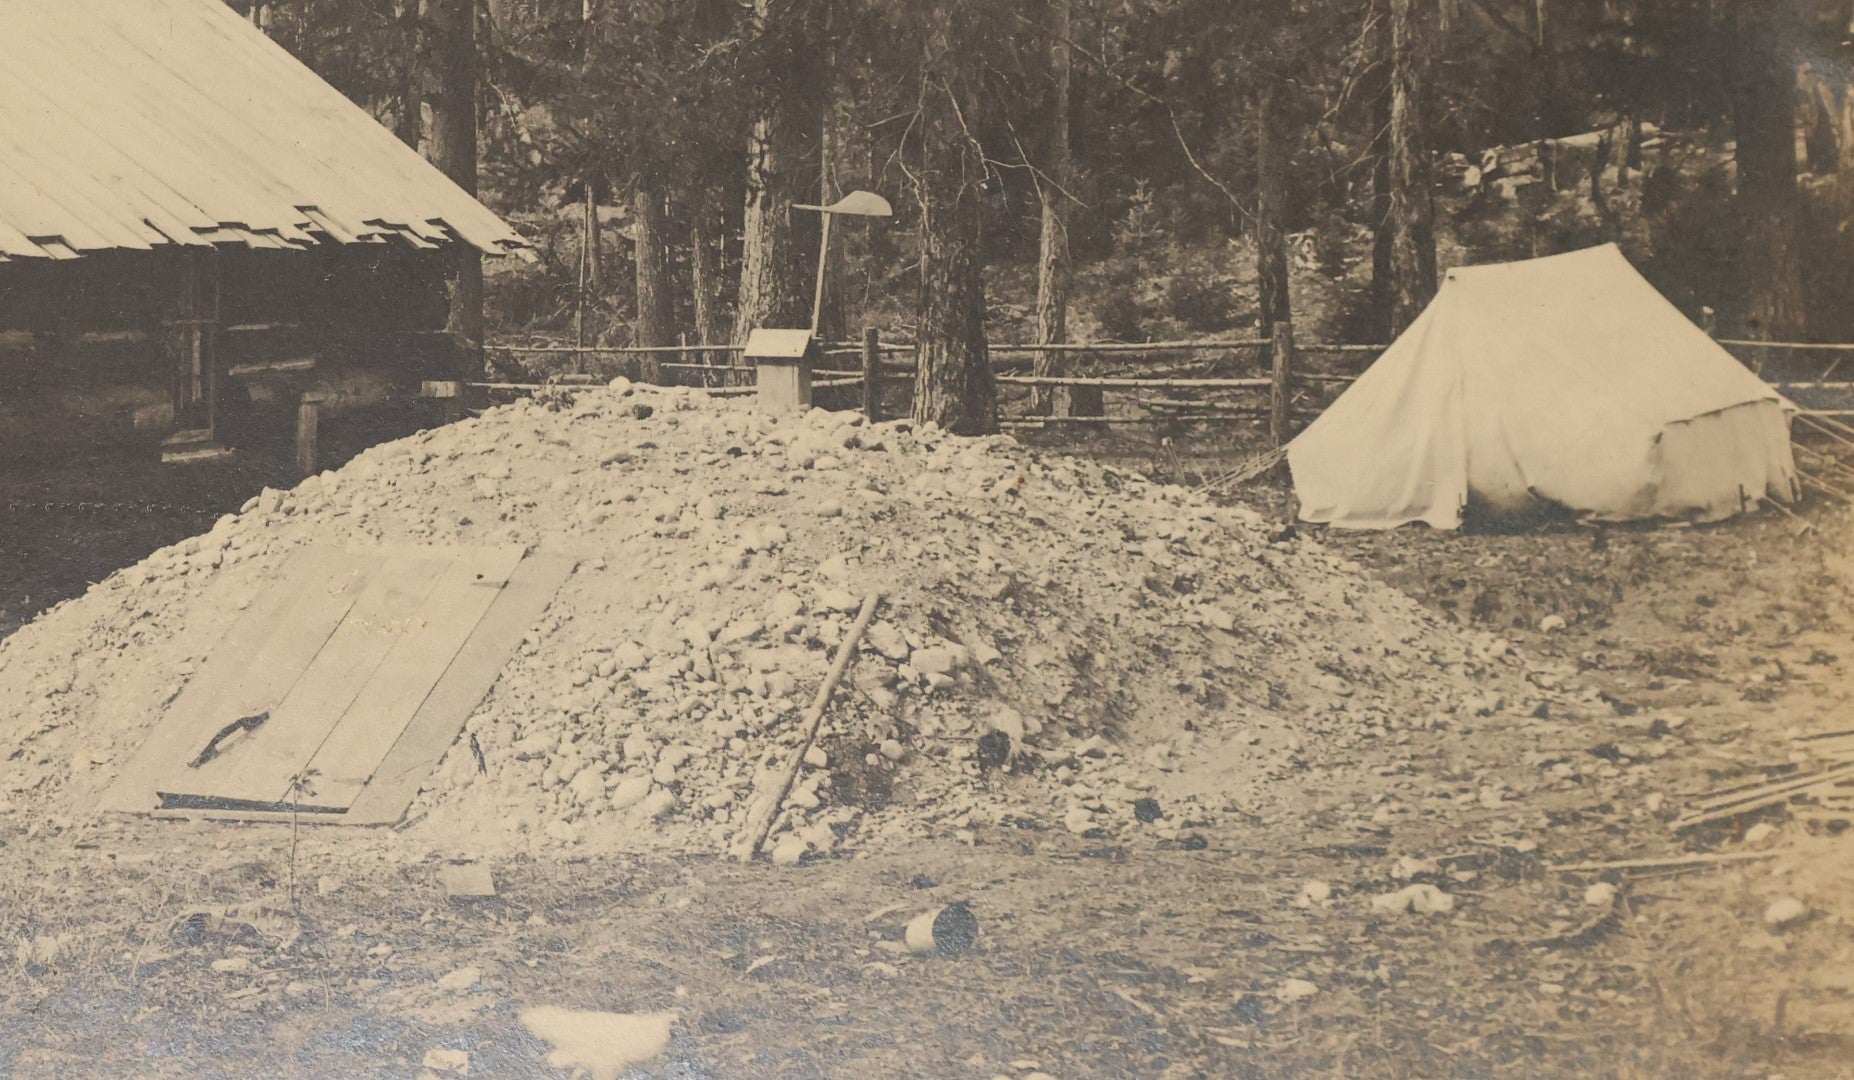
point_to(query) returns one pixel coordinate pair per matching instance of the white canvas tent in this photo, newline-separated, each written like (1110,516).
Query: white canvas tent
(1566,381)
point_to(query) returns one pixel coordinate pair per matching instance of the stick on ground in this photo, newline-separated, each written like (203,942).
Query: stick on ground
(1671,862)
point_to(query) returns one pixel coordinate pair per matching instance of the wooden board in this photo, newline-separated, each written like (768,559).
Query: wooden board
(263,765)
(359,741)
(478,664)
(368,663)
(257,662)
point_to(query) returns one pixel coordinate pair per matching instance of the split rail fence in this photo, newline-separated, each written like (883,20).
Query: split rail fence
(1275,358)
(1282,391)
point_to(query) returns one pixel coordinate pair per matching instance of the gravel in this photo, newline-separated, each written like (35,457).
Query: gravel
(1133,641)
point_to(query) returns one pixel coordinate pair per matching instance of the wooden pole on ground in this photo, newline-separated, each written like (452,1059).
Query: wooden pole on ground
(1669,863)
(1282,350)
(872,374)
(1757,798)
(765,810)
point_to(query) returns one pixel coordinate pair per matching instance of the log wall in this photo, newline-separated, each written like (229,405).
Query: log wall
(97,350)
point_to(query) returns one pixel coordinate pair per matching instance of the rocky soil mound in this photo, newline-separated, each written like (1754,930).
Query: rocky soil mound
(1060,644)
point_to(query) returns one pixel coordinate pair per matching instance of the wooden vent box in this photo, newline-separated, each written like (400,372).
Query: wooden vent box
(784,359)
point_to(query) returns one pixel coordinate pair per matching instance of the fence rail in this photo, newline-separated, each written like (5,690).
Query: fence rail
(611,350)
(1135,383)
(1282,376)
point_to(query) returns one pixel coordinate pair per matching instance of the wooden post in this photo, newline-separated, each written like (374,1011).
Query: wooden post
(1280,380)
(817,300)
(308,421)
(579,306)
(195,327)
(209,335)
(872,374)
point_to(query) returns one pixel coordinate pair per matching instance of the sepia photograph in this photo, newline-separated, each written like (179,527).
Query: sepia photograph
(926,539)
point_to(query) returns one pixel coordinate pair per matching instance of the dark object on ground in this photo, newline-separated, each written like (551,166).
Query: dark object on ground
(994,749)
(955,929)
(1147,810)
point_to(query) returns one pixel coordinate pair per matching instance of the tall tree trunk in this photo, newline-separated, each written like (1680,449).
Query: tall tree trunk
(452,148)
(777,244)
(1412,191)
(594,239)
(953,386)
(1380,97)
(590,262)
(409,118)
(706,287)
(1761,84)
(1553,102)
(591,239)
(1054,190)
(1599,162)
(653,322)
(1271,256)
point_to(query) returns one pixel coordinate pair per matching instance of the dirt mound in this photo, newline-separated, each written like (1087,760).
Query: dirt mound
(1060,644)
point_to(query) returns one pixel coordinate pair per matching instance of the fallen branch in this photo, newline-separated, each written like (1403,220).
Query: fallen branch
(1248,470)
(1824,488)
(1799,781)
(1823,426)
(1746,802)
(1587,932)
(1668,863)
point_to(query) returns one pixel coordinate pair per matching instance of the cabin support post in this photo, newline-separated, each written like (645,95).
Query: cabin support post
(308,425)
(193,337)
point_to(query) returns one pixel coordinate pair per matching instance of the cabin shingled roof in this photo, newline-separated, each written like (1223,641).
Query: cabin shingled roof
(144,124)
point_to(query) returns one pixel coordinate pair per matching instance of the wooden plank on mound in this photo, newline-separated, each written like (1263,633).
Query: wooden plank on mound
(359,741)
(266,763)
(519,605)
(249,671)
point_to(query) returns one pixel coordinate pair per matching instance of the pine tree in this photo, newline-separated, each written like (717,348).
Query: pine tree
(954,386)
(452,147)
(1414,41)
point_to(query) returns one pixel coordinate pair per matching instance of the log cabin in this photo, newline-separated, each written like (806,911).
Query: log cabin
(198,236)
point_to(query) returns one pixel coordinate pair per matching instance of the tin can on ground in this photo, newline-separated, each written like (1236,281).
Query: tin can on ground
(943,930)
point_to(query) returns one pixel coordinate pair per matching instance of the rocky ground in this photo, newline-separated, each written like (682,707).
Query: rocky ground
(1369,889)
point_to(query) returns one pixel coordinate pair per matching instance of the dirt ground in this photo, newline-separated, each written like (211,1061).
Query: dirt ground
(69,519)
(1703,651)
